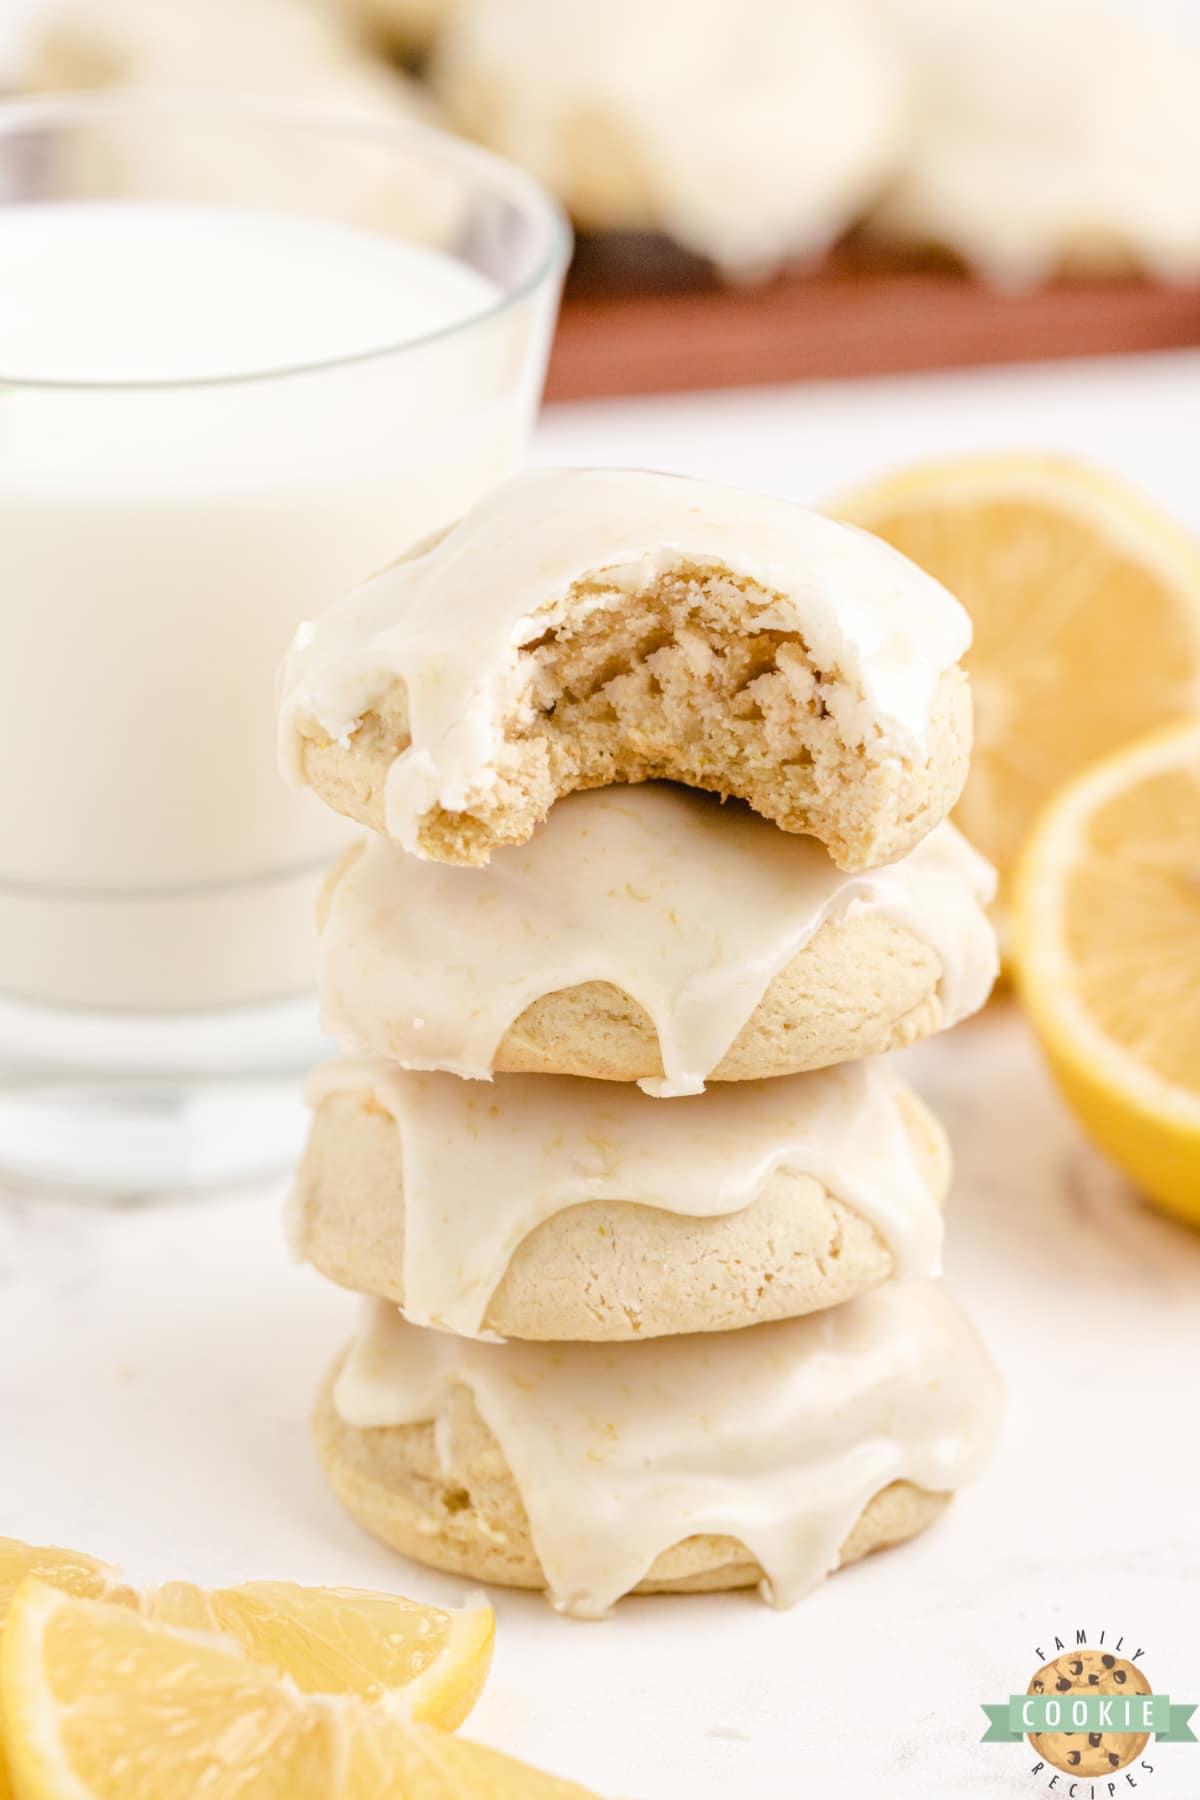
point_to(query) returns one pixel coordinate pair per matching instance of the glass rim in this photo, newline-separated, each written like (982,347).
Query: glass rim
(24,113)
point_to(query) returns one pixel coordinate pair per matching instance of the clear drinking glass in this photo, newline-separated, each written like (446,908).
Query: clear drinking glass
(161,537)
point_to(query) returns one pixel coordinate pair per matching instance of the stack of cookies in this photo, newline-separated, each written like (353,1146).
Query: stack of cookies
(649,1228)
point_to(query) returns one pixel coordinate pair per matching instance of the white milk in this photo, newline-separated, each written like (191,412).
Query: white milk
(159,544)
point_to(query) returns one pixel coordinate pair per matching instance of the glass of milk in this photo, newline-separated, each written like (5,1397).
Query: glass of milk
(247,358)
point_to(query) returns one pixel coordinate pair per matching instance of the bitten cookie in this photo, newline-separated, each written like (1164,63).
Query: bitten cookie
(586,627)
(546,1208)
(650,934)
(775,1453)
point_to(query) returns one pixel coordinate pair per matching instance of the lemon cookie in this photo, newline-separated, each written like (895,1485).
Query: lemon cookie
(585,627)
(404,27)
(750,132)
(770,1454)
(1047,137)
(650,934)
(286,49)
(546,1207)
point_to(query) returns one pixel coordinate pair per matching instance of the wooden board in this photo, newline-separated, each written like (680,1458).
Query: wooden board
(675,329)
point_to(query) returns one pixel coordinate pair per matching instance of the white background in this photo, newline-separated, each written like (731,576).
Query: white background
(156,1366)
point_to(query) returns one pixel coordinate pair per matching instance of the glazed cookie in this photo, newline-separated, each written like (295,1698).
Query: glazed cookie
(750,133)
(1077,157)
(771,1454)
(406,28)
(549,1208)
(284,49)
(650,934)
(586,627)
(1089,1753)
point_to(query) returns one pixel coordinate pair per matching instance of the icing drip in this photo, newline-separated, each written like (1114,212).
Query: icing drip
(483,1167)
(688,907)
(777,1436)
(450,619)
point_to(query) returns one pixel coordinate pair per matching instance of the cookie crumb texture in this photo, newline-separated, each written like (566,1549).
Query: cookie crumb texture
(682,678)
(450,1501)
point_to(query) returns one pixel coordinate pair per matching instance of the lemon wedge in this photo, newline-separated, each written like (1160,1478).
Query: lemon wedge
(324,1640)
(70,1570)
(346,1641)
(103,1703)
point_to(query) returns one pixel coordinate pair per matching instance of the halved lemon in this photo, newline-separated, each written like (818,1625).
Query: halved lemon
(1085,601)
(1107,930)
(103,1703)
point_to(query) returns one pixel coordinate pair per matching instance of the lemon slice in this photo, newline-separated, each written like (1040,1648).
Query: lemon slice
(1085,602)
(1107,915)
(103,1703)
(346,1640)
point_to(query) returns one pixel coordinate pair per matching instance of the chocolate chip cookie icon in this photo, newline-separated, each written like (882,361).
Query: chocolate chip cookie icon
(1089,1752)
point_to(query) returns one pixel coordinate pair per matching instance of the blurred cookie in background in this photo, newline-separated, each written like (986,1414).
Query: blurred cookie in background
(1048,137)
(752,132)
(285,51)
(405,29)
(278,49)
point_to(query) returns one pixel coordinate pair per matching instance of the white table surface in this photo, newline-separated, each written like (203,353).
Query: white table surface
(156,1366)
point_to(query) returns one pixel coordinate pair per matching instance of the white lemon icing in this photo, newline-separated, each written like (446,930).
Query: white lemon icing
(451,618)
(483,1167)
(778,1435)
(689,907)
